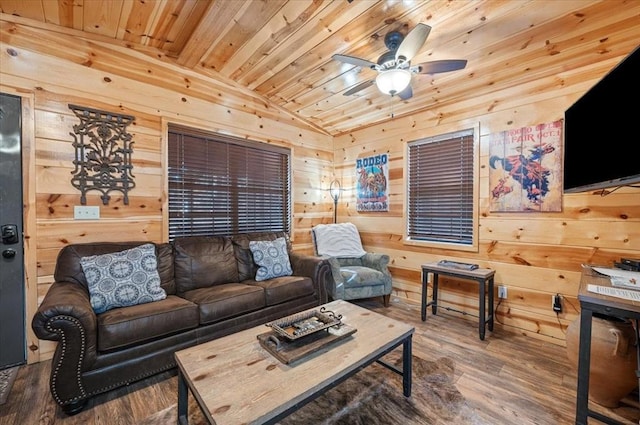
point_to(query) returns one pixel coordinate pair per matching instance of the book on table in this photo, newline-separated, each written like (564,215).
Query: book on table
(621,278)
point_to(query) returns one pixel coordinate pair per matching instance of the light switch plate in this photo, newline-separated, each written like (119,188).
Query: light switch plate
(86,213)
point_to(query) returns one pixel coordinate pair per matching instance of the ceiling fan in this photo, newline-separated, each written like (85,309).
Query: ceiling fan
(394,67)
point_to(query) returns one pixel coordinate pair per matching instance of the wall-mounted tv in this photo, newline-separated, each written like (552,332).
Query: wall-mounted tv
(602,131)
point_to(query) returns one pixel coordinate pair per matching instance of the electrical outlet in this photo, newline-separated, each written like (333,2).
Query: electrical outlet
(556,303)
(86,213)
(502,291)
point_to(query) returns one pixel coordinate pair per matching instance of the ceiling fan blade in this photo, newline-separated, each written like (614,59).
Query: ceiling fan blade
(354,61)
(359,87)
(412,42)
(435,67)
(406,93)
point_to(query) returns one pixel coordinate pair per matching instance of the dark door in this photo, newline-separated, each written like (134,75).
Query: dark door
(12,293)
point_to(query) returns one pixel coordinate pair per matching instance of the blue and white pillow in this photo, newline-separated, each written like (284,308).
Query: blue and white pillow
(272,258)
(124,278)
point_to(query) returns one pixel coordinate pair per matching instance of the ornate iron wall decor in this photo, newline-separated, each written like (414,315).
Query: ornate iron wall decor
(103,153)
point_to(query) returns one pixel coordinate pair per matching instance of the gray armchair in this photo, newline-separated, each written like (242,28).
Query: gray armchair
(356,273)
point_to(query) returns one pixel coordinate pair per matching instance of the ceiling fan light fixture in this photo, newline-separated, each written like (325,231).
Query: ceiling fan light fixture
(393,81)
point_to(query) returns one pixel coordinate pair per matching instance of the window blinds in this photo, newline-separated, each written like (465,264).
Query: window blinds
(440,189)
(222,186)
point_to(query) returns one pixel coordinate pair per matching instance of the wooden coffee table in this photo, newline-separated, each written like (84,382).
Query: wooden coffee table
(236,381)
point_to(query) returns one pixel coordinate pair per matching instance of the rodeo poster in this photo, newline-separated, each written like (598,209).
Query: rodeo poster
(525,169)
(372,191)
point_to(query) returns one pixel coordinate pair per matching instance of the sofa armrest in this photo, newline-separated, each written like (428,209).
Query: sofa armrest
(315,268)
(65,315)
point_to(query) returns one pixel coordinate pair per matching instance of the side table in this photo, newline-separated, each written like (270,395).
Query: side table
(590,303)
(484,278)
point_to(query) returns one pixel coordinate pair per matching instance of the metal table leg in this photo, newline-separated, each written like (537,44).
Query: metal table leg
(584,361)
(425,278)
(183,400)
(406,366)
(491,308)
(434,298)
(482,319)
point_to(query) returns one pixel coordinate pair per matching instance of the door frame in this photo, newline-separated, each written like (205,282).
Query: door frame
(29,239)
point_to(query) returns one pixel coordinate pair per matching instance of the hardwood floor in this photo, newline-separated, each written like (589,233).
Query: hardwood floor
(512,379)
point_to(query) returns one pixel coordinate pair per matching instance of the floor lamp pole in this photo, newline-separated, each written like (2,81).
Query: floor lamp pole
(334,191)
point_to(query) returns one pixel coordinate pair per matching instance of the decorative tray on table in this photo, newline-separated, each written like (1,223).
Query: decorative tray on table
(295,336)
(303,324)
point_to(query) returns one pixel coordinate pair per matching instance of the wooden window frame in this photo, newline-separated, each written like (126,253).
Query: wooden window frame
(454,194)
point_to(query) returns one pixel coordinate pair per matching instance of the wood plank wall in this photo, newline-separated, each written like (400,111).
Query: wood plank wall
(536,255)
(52,70)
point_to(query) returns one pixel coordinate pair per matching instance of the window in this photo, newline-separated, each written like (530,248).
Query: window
(440,186)
(219,185)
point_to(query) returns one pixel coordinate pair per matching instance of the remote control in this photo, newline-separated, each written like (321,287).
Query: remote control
(457,265)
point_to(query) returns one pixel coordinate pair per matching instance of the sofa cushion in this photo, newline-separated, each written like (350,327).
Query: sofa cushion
(69,269)
(281,289)
(203,261)
(164,252)
(221,302)
(123,278)
(272,259)
(247,268)
(122,327)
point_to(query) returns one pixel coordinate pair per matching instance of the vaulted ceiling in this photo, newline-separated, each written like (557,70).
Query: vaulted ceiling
(282,49)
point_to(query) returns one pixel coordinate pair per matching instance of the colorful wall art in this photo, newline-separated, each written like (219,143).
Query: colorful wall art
(525,169)
(372,190)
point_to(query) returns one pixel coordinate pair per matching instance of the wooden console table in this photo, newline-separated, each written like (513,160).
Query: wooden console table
(484,278)
(591,302)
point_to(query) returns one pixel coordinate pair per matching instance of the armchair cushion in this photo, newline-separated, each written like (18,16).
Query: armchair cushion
(358,276)
(368,270)
(338,240)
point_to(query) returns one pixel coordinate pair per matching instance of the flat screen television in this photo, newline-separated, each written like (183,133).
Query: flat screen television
(602,132)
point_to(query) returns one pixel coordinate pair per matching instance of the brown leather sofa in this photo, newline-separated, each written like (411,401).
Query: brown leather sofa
(99,352)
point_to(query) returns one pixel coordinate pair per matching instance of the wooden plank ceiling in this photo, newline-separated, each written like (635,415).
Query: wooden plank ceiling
(282,49)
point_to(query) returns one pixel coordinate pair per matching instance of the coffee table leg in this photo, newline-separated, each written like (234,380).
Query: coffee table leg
(183,400)
(406,366)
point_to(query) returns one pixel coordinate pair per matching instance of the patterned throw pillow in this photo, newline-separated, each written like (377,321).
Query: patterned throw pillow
(272,258)
(121,279)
